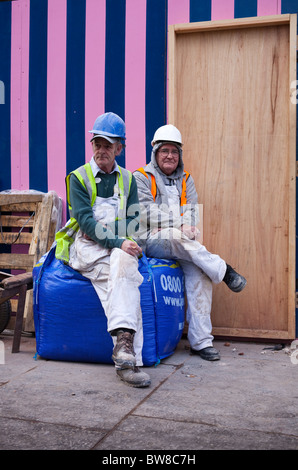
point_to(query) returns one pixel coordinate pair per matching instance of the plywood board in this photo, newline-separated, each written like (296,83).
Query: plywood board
(229,94)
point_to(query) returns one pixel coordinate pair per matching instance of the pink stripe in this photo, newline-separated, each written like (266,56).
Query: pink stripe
(94,66)
(135,64)
(221,10)
(269,7)
(19,95)
(178,12)
(56,79)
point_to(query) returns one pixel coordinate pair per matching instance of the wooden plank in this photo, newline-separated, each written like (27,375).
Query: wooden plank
(18,280)
(17,221)
(7,294)
(240,143)
(14,304)
(17,198)
(56,219)
(252,333)
(292,178)
(20,207)
(230,24)
(41,228)
(172,91)
(34,250)
(17,261)
(40,243)
(4,275)
(19,319)
(11,238)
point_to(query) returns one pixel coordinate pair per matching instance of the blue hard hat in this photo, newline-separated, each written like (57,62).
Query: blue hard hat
(110,125)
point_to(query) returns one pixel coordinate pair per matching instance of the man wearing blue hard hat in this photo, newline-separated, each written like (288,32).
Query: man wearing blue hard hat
(97,241)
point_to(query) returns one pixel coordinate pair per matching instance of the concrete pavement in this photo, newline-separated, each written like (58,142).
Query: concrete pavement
(247,400)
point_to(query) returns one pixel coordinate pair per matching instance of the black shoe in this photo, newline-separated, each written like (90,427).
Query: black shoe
(233,280)
(209,353)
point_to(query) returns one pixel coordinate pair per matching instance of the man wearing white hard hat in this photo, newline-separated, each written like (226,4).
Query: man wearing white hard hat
(169,216)
(97,242)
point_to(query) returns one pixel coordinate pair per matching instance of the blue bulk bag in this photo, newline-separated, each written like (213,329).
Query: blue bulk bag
(70,323)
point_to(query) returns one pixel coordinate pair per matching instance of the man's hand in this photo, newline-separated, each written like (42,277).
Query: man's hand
(190,231)
(86,237)
(132,248)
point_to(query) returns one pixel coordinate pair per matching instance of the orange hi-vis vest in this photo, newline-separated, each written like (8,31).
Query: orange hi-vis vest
(183,199)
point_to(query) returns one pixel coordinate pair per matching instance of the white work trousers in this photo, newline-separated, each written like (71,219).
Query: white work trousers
(200,268)
(115,277)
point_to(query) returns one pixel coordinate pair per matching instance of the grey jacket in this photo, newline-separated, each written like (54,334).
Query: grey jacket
(158,214)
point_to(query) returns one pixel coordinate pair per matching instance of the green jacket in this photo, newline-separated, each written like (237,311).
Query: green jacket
(82,190)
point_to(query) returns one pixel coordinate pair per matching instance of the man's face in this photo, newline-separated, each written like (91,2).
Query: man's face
(167,158)
(105,153)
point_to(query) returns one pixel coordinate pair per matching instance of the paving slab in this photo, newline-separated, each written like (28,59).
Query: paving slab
(153,434)
(247,400)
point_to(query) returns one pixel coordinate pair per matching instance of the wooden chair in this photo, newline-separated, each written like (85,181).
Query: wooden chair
(10,286)
(28,223)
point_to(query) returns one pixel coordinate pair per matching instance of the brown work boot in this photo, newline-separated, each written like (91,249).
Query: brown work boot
(123,352)
(134,377)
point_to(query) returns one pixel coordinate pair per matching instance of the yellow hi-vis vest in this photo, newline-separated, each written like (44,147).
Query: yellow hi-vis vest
(183,199)
(65,237)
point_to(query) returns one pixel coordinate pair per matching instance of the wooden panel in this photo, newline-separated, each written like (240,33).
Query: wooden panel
(229,96)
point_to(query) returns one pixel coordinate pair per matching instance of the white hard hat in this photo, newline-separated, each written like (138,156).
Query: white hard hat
(167,133)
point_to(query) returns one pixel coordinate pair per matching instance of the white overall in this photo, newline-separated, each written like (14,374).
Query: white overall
(114,275)
(200,268)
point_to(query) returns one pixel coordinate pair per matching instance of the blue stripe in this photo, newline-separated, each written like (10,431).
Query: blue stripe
(245,9)
(115,61)
(5,61)
(156,69)
(289,6)
(38,96)
(199,10)
(75,84)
